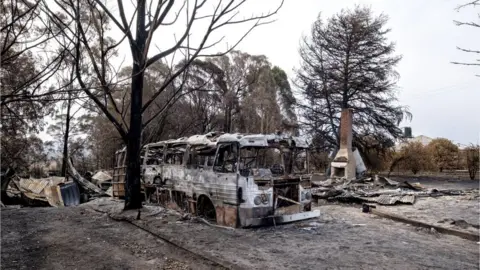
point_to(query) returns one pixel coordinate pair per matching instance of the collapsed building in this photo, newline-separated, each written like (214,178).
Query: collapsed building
(346,182)
(50,191)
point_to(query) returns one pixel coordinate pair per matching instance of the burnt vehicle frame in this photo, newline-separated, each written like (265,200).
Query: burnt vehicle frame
(238,180)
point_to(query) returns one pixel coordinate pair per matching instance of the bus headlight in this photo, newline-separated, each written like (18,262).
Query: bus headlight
(257,200)
(264,198)
(306,195)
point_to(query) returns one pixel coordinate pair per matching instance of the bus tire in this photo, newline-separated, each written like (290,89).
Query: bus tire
(205,208)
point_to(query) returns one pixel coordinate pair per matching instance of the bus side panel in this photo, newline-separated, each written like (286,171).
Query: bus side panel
(220,188)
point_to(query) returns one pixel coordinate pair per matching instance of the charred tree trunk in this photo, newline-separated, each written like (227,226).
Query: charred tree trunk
(65,137)
(227,125)
(133,198)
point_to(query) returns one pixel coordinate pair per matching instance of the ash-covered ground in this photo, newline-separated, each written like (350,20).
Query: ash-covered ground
(342,237)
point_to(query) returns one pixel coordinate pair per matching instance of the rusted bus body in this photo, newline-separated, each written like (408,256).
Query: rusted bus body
(228,177)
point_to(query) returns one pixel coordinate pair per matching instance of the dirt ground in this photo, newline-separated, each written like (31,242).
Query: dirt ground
(79,238)
(457,212)
(341,238)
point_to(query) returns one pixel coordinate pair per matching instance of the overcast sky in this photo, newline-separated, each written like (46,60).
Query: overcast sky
(444,98)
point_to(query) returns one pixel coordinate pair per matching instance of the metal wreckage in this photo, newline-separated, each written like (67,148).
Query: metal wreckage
(238,180)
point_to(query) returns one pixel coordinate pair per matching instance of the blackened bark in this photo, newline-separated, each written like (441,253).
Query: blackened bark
(65,137)
(227,125)
(133,198)
(225,120)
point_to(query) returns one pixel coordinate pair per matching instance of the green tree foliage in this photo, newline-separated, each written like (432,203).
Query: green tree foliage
(444,153)
(472,157)
(286,98)
(234,92)
(414,157)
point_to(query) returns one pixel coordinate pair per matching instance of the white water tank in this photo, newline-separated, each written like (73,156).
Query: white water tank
(359,162)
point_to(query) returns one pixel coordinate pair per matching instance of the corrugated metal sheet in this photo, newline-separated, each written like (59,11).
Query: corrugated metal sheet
(34,196)
(52,190)
(391,199)
(37,186)
(34,185)
(53,196)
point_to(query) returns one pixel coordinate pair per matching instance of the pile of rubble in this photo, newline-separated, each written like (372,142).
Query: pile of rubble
(53,191)
(50,191)
(377,189)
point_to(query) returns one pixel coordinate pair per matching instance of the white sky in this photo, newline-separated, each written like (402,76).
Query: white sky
(444,98)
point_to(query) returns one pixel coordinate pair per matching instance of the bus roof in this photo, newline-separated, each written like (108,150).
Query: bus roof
(245,140)
(262,140)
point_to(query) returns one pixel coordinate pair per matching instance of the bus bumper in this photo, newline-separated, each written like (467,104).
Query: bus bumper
(281,219)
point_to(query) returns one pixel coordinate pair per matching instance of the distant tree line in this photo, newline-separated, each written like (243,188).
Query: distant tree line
(440,155)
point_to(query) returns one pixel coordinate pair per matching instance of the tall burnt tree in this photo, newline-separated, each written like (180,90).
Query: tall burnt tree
(231,76)
(249,94)
(141,24)
(347,62)
(286,100)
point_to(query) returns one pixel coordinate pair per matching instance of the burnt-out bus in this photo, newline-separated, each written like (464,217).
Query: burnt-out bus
(238,180)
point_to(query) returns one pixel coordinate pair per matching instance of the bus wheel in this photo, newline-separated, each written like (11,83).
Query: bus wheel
(157,181)
(206,209)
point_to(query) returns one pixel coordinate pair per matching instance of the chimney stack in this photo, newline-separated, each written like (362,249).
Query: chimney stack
(407,132)
(343,165)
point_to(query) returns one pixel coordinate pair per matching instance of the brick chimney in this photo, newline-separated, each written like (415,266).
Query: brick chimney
(343,165)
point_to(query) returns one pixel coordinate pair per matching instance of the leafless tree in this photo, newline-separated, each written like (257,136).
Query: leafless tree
(476,52)
(138,25)
(28,59)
